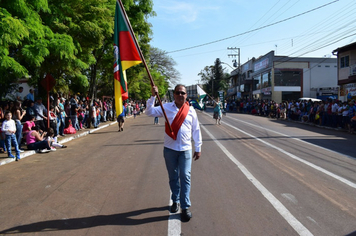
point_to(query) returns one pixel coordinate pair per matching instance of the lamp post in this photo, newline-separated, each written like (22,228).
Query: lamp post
(238,65)
(228,65)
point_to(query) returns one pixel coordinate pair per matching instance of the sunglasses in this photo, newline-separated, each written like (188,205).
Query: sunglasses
(180,93)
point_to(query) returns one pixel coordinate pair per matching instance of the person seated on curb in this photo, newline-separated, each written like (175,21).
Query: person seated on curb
(35,141)
(53,140)
(27,126)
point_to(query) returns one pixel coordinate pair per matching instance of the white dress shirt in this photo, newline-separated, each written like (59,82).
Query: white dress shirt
(190,127)
(8,125)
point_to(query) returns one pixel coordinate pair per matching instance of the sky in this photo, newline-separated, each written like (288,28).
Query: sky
(196,32)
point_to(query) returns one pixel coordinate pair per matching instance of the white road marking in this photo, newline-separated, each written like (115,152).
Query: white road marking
(174,223)
(288,136)
(282,210)
(339,178)
(290,197)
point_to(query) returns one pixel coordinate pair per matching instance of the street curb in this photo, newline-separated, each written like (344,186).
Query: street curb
(65,140)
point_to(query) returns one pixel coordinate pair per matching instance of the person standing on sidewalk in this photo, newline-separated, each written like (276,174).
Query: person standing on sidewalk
(9,127)
(178,146)
(40,114)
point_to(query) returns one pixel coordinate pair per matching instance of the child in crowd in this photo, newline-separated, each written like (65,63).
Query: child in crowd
(80,118)
(9,127)
(53,140)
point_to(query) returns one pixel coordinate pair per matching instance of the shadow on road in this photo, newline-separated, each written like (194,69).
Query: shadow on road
(91,221)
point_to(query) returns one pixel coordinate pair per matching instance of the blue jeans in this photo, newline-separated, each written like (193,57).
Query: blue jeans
(11,139)
(75,123)
(104,116)
(18,132)
(58,124)
(179,165)
(94,122)
(62,122)
(39,145)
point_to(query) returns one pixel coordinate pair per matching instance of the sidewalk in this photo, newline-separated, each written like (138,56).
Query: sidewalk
(81,133)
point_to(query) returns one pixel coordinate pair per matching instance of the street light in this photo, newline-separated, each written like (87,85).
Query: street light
(227,65)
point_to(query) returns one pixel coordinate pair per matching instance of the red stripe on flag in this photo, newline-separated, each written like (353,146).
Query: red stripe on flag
(127,48)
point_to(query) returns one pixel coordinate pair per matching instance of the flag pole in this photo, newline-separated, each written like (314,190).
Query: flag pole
(144,62)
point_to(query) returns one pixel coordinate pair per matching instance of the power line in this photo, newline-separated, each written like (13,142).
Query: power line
(292,17)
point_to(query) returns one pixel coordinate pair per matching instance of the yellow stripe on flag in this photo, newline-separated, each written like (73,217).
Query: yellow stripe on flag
(128,64)
(118,97)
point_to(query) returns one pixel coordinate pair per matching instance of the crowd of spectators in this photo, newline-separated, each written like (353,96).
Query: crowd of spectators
(30,117)
(67,114)
(330,113)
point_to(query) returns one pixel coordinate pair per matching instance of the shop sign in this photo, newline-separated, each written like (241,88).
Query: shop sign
(348,89)
(261,64)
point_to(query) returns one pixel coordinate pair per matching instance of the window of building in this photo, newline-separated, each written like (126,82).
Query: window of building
(256,82)
(344,62)
(266,80)
(288,77)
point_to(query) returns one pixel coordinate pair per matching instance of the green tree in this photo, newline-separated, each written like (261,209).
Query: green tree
(214,78)
(164,64)
(23,40)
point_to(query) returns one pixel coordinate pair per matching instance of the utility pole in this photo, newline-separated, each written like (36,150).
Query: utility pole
(236,53)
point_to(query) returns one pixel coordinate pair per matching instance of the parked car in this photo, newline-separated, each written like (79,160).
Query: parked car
(307,99)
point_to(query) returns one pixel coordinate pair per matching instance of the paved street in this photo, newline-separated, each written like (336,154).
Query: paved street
(256,176)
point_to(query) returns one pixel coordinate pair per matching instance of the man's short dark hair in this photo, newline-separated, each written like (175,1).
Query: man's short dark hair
(179,85)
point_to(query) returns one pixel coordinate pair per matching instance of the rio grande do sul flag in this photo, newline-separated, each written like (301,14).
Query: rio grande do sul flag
(126,55)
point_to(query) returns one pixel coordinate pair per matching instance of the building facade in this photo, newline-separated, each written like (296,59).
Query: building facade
(346,74)
(281,78)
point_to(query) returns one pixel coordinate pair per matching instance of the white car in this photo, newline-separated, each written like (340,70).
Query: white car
(307,99)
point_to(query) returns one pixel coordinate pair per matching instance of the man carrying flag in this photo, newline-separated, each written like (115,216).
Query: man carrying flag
(126,54)
(184,120)
(178,145)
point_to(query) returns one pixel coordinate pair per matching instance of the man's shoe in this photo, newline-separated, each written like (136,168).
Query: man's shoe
(122,129)
(174,207)
(186,215)
(18,158)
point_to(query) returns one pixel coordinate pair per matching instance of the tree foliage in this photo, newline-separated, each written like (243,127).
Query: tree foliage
(214,78)
(164,64)
(73,41)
